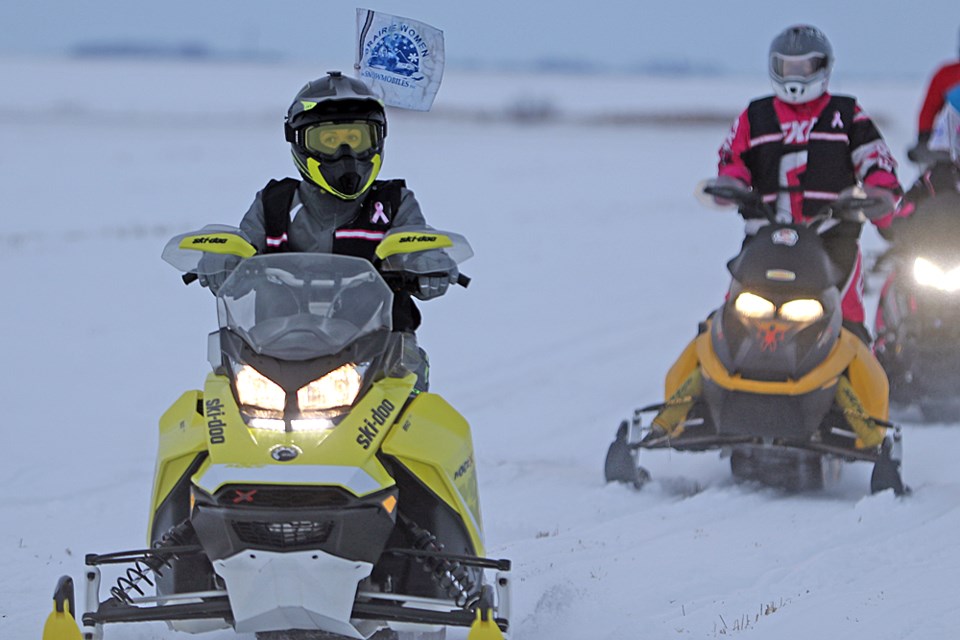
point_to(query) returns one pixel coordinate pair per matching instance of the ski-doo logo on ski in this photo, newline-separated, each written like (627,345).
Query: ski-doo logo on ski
(214,410)
(368,431)
(281,453)
(785,237)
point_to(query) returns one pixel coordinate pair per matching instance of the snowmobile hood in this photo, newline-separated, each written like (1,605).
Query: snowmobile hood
(785,258)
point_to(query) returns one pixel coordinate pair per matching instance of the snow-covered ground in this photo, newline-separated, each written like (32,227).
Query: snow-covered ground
(593,265)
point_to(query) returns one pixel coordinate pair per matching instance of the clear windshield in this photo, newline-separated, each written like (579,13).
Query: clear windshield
(298,306)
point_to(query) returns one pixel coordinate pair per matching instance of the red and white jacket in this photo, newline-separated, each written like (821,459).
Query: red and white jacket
(802,155)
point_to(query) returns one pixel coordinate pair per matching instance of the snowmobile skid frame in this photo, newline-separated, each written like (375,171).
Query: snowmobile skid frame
(122,606)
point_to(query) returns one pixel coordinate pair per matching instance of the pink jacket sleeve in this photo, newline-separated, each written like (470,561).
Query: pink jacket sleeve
(731,152)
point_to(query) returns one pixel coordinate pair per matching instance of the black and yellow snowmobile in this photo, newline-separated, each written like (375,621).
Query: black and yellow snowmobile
(773,379)
(312,489)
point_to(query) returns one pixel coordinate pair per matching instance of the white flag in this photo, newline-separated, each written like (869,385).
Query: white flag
(402,58)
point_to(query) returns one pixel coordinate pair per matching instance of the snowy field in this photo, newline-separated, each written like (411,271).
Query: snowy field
(593,265)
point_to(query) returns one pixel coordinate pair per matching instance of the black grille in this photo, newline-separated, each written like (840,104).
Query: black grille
(284,535)
(282,497)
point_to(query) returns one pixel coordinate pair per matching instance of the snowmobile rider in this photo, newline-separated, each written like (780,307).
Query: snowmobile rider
(944,78)
(935,200)
(336,127)
(941,178)
(800,147)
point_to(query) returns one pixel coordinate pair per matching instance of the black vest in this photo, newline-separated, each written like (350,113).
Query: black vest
(829,165)
(359,237)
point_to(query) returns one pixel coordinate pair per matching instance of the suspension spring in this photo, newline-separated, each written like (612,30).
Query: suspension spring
(152,563)
(450,575)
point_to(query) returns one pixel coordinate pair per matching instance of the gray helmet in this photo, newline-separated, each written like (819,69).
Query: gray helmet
(336,126)
(801,59)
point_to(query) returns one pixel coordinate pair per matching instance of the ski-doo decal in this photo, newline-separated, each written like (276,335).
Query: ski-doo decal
(771,335)
(227,243)
(785,237)
(213,408)
(411,242)
(370,428)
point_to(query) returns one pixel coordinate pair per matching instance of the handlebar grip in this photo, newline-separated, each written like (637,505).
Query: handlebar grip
(463,281)
(189,277)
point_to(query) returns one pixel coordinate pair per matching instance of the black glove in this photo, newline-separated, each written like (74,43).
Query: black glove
(727,182)
(432,286)
(918,152)
(434,270)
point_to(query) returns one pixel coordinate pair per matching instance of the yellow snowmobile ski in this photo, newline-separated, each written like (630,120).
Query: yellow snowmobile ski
(60,624)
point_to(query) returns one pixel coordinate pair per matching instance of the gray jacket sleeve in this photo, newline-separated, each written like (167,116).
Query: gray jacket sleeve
(252,223)
(409,214)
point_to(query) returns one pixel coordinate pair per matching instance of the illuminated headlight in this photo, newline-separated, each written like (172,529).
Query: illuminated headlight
(930,275)
(803,310)
(259,396)
(753,306)
(327,396)
(263,401)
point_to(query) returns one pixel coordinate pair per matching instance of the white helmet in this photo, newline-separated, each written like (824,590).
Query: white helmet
(801,59)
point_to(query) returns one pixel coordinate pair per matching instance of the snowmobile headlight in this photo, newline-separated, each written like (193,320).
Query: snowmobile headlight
(801,310)
(927,274)
(751,305)
(327,396)
(259,396)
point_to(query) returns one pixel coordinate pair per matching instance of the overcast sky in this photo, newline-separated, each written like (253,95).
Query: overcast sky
(878,37)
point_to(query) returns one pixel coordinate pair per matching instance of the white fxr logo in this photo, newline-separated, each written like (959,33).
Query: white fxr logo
(797,132)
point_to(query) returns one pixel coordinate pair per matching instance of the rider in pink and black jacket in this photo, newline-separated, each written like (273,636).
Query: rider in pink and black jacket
(802,146)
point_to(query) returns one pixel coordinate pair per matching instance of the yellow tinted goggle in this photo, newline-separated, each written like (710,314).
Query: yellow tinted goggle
(327,137)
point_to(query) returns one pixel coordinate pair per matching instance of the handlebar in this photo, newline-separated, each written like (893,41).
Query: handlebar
(406,281)
(397,281)
(857,203)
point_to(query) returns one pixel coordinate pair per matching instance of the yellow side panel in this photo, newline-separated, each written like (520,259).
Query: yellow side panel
(433,441)
(681,369)
(870,383)
(182,436)
(823,375)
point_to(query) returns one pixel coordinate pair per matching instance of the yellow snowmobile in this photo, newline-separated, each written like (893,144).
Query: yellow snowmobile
(312,489)
(774,380)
